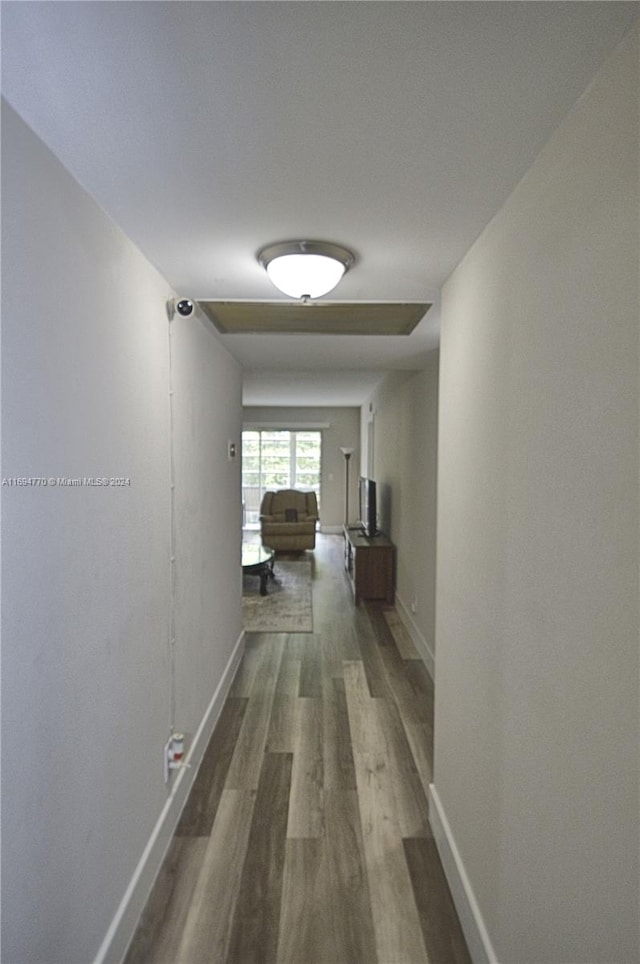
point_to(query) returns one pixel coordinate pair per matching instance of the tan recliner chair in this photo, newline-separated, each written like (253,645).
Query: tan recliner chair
(288,520)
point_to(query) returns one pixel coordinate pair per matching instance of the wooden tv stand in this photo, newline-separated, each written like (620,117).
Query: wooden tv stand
(370,565)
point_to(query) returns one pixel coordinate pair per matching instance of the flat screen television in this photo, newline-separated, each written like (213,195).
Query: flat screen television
(368,513)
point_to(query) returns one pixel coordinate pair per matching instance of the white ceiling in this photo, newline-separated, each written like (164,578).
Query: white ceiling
(209,129)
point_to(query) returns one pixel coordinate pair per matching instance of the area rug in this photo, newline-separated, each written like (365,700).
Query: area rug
(287,606)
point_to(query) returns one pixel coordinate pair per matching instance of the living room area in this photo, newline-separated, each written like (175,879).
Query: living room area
(391,439)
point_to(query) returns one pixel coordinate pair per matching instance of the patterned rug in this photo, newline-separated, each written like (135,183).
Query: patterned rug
(287,606)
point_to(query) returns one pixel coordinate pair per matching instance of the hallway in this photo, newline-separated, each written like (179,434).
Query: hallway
(305,839)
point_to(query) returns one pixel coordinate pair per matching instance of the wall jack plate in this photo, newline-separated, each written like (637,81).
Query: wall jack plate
(174,755)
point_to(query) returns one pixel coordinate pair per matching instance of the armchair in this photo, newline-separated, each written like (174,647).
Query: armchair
(288,519)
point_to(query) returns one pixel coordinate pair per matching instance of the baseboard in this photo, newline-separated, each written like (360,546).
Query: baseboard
(418,639)
(475,932)
(120,933)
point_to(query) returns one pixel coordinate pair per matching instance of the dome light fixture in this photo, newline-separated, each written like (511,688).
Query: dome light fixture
(305,269)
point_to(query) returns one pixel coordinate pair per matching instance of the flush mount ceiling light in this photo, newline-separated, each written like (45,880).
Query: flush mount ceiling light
(305,269)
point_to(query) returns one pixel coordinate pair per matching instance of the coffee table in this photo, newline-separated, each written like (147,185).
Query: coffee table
(257,560)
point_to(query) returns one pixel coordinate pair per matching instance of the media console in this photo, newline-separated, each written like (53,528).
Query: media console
(369,563)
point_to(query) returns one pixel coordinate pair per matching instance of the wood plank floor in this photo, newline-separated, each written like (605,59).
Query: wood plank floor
(305,839)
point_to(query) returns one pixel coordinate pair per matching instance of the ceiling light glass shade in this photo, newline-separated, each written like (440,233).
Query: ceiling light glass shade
(298,275)
(305,269)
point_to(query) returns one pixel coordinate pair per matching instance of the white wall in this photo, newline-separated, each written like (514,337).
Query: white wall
(536,730)
(86,618)
(404,459)
(207,416)
(343,426)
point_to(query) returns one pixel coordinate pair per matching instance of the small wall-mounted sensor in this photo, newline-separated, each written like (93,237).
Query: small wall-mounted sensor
(174,755)
(232,450)
(183,307)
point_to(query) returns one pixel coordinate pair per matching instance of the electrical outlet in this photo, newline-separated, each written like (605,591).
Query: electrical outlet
(174,755)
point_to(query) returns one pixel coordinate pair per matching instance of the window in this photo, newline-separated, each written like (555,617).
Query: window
(278,460)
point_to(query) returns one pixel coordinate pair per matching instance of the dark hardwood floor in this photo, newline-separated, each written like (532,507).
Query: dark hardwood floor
(305,839)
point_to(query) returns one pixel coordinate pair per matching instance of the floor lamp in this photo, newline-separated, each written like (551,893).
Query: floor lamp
(347,452)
